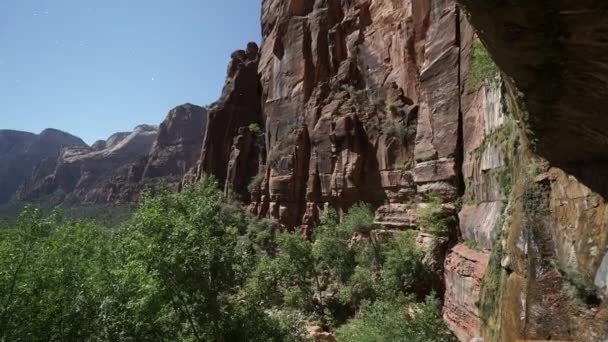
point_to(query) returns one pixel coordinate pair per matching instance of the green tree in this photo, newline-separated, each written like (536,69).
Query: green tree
(53,278)
(403,268)
(399,319)
(190,261)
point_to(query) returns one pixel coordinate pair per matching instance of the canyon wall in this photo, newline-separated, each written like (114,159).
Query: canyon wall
(115,171)
(20,152)
(394,103)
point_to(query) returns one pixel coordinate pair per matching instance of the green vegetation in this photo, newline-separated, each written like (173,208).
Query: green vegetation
(491,290)
(390,107)
(358,97)
(398,320)
(483,68)
(578,288)
(472,244)
(193,266)
(335,279)
(432,218)
(360,218)
(394,129)
(173,272)
(103,214)
(505,179)
(473,201)
(258,134)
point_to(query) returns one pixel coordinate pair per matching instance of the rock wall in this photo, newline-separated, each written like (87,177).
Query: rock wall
(20,152)
(173,154)
(387,102)
(349,99)
(546,275)
(358,101)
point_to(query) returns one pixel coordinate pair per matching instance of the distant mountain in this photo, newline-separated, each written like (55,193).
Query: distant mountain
(115,170)
(20,152)
(83,174)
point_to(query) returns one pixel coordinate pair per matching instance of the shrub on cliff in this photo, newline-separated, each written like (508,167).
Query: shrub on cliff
(483,69)
(359,219)
(432,217)
(394,129)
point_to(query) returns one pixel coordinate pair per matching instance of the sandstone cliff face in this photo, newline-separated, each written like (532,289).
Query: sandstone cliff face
(382,102)
(83,172)
(547,272)
(229,150)
(178,143)
(20,152)
(348,97)
(173,154)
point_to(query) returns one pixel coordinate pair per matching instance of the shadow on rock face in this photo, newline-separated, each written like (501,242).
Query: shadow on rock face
(593,175)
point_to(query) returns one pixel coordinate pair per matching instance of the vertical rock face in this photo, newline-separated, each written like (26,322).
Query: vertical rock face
(383,102)
(359,101)
(227,149)
(559,63)
(20,152)
(547,281)
(177,145)
(464,273)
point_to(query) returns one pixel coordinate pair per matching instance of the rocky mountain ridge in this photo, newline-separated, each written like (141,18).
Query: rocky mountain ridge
(20,152)
(112,171)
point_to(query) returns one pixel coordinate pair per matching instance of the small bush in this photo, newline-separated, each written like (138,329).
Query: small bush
(390,107)
(255,129)
(403,267)
(432,217)
(483,68)
(359,219)
(258,134)
(472,202)
(394,129)
(577,287)
(471,244)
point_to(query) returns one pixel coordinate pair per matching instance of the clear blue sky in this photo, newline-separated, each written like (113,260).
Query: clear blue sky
(94,67)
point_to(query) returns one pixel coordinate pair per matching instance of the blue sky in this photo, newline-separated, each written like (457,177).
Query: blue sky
(95,67)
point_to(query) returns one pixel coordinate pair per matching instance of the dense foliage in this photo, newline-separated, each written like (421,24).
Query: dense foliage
(194,267)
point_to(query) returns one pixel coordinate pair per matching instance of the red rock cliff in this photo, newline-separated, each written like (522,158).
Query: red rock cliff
(388,101)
